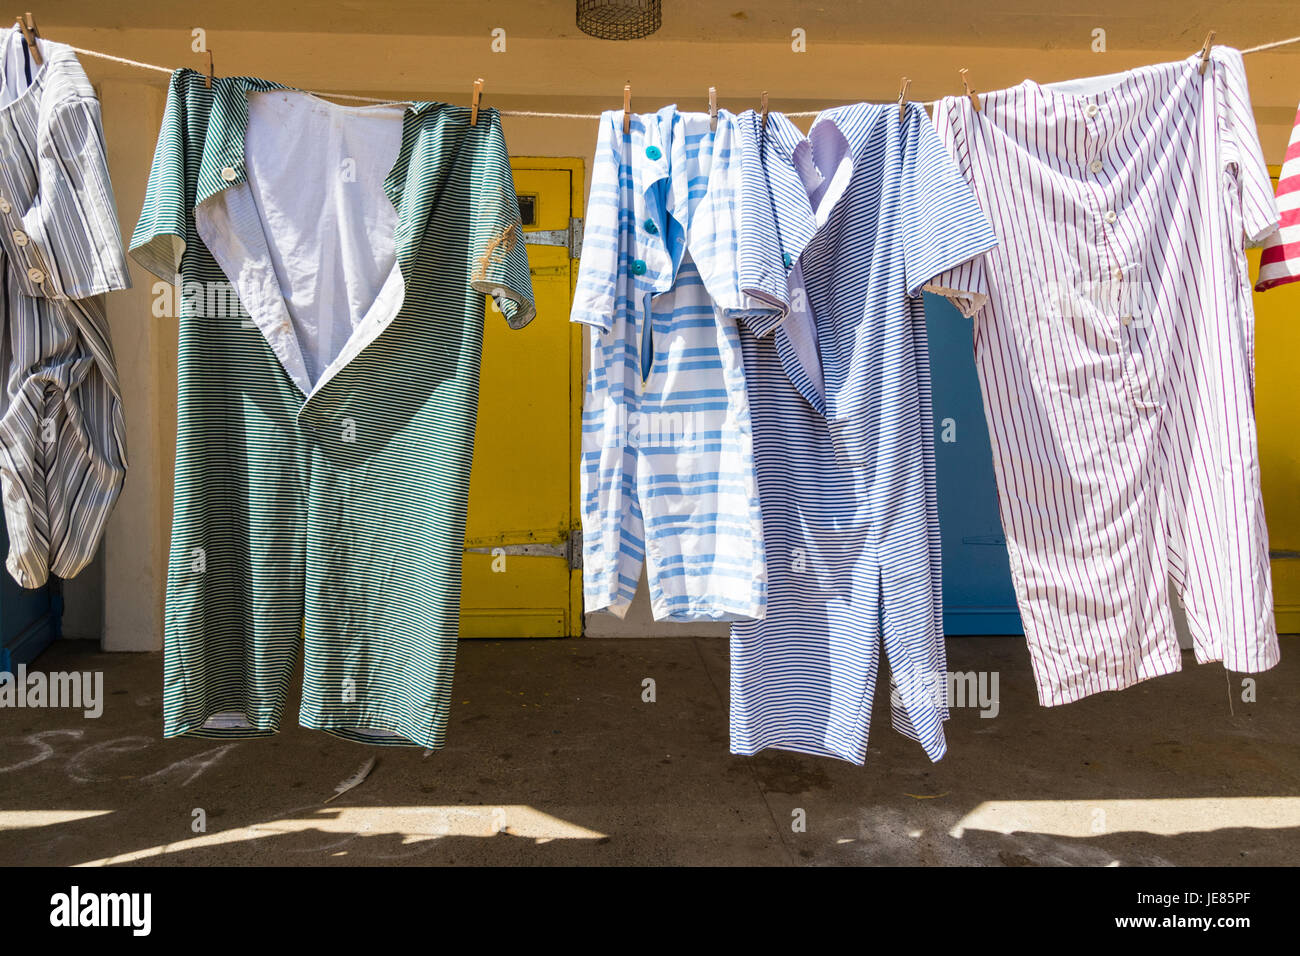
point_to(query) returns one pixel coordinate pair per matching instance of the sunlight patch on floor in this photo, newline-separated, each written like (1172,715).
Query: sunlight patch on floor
(1163,817)
(337,830)
(30,819)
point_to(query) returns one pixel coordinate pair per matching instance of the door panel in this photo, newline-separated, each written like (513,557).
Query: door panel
(517,578)
(1277,415)
(978,597)
(29,619)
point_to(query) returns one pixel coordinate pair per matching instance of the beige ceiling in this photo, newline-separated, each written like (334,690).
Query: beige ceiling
(1032,24)
(856,49)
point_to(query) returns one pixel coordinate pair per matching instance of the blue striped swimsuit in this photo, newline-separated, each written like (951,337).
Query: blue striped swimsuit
(841,231)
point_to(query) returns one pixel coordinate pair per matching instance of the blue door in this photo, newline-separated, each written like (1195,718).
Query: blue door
(29,619)
(977,594)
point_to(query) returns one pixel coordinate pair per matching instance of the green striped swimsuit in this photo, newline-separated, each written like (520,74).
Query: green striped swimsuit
(329,266)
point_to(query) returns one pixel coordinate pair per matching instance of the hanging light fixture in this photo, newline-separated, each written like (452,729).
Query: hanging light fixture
(619,19)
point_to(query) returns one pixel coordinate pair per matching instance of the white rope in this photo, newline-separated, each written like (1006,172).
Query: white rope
(1269,46)
(533,114)
(121,59)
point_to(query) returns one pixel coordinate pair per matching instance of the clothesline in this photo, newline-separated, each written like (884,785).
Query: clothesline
(534,114)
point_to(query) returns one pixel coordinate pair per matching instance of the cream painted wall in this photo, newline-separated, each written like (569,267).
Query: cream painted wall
(568,73)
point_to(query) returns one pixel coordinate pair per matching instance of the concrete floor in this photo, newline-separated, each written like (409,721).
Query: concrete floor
(553,758)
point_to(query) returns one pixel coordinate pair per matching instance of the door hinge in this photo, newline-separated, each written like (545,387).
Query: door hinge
(570,549)
(570,238)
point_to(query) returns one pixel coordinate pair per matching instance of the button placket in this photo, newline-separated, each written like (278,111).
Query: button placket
(655,264)
(35,273)
(1091,111)
(1099,203)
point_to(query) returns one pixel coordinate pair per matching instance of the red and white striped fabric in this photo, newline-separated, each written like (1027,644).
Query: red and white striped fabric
(1280,261)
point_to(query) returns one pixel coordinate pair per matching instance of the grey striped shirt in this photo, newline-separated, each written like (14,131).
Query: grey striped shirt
(62,436)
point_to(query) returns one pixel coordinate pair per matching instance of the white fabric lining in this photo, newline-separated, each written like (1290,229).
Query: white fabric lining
(228,720)
(824,148)
(14,66)
(308,236)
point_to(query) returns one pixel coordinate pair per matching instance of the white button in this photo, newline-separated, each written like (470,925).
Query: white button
(20,237)
(1091,109)
(4,205)
(36,275)
(1126,319)
(229,174)
(1117,273)
(1110,215)
(1095,165)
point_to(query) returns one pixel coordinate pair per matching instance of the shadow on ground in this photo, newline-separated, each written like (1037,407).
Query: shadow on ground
(554,758)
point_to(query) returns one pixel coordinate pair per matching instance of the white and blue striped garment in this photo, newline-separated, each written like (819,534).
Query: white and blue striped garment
(667,459)
(841,231)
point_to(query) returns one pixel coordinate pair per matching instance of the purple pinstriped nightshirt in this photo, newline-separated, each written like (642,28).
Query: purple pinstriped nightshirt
(1116,359)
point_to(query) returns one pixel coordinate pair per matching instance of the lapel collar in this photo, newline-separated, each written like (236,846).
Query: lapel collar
(222,165)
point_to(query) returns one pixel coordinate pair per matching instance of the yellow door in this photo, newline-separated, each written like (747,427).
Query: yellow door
(1277,343)
(519,580)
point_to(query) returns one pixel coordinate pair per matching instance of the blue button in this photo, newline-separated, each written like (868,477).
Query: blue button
(653,152)
(638,267)
(788,260)
(651,228)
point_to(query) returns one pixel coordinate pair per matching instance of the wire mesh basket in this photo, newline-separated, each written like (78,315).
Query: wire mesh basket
(619,19)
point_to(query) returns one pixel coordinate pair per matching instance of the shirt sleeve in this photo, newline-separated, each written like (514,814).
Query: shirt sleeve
(948,233)
(68,244)
(595,297)
(500,253)
(1241,149)
(158,243)
(1279,262)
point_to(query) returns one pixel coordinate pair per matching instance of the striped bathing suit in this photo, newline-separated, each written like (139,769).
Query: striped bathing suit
(331,264)
(1116,358)
(62,435)
(667,472)
(841,231)
(1279,260)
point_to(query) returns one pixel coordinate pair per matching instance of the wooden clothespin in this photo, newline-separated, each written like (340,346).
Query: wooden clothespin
(974,97)
(627,108)
(1205,51)
(763,109)
(713,108)
(474,101)
(207,80)
(902,98)
(27,24)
